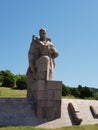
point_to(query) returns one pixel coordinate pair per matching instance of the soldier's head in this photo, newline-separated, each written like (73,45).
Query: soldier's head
(42,33)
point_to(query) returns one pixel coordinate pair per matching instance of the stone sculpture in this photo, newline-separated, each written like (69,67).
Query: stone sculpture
(74,110)
(45,93)
(41,57)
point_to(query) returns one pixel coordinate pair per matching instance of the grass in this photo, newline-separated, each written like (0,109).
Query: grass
(84,127)
(69,97)
(8,92)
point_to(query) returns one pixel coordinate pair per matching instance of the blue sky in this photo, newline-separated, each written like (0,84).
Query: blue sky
(73,27)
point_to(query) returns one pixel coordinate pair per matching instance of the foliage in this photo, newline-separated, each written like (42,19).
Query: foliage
(21,83)
(95,95)
(95,90)
(7,78)
(85,91)
(75,92)
(1,79)
(79,92)
(65,90)
(18,76)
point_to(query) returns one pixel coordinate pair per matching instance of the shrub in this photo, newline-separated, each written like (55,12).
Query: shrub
(95,95)
(8,82)
(85,92)
(21,83)
(75,92)
(65,90)
(7,78)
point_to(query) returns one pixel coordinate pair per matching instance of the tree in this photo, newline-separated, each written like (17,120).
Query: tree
(1,79)
(65,90)
(8,79)
(85,91)
(81,91)
(75,92)
(21,82)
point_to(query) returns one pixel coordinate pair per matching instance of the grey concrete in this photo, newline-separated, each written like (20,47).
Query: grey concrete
(20,111)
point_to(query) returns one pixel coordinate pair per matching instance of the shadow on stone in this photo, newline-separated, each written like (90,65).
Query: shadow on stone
(74,115)
(70,116)
(19,112)
(94,112)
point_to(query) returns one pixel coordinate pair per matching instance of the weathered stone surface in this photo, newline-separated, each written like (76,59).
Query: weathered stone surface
(41,89)
(41,57)
(20,111)
(74,112)
(47,98)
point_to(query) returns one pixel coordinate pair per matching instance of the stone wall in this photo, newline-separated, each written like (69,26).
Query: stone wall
(20,111)
(15,111)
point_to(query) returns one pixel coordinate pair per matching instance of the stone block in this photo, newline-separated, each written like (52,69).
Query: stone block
(54,85)
(50,94)
(57,94)
(47,98)
(50,113)
(40,95)
(57,108)
(39,112)
(58,85)
(35,86)
(40,85)
(50,103)
(41,103)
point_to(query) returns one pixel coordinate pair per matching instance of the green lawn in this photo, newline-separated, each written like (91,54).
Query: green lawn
(8,92)
(84,127)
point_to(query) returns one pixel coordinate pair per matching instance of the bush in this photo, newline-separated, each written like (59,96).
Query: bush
(75,92)
(65,90)
(7,78)
(95,95)
(85,92)
(8,82)
(21,83)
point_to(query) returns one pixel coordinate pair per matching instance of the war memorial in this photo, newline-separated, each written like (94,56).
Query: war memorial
(44,106)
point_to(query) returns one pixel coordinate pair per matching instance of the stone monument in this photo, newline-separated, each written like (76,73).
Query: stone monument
(45,92)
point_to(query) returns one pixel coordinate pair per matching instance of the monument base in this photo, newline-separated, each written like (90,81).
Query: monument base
(47,98)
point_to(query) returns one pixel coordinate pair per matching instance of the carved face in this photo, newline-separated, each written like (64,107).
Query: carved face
(42,34)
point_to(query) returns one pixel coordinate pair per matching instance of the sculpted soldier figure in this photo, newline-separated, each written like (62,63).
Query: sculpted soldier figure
(41,57)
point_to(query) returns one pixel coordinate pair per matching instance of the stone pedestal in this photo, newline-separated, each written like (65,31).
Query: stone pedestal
(47,98)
